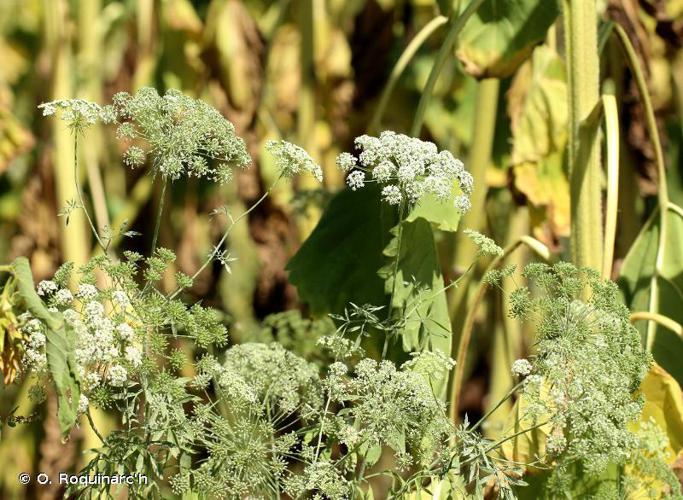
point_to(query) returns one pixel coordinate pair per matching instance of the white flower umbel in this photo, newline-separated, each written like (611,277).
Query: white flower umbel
(46,287)
(86,292)
(291,159)
(409,168)
(521,368)
(117,375)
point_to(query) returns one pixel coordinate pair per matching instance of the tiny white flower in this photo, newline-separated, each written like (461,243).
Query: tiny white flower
(392,194)
(47,287)
(346,162)
(356,180)
(117,375)
(83,403)
(521,368)
(292,159)
(86,291)
(120,298)
(125,331)
(93,379)
(133,356)
(93,312)
(37,340)
(63,297)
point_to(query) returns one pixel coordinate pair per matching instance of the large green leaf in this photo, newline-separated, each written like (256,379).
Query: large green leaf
(638,267)
(416,293)
(502,34)
(351,257)
(339,261)
(59,346)
(442,214)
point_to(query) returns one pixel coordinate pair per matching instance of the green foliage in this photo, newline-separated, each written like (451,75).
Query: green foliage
(502,34)
(635,283)
(59,346)
(413,279)
(338,262)
(588,364)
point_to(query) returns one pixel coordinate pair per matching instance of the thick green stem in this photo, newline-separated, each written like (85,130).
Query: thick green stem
(581,44)
(609,103)
(480,156)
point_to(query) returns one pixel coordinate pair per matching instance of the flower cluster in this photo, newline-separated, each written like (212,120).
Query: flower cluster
(108,350)
(408,169)
(588,364)
(393,407)
(521,368)
(185,136)
(79,113)
(485,245)
(291,159)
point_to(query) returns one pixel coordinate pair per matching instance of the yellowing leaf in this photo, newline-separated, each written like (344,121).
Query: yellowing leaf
(546,186)
(526,446)
(664,404)
(537,105)
(14,138)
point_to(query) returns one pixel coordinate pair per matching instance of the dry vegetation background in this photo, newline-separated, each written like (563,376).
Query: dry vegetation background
(312,72)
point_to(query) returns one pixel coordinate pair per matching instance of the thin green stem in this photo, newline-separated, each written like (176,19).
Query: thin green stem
(160,214)
(227,232)
(80,194)
(93,426)
(663,193)
(468,328)
(400,66)
(497,405)
(399,238)
(446,51)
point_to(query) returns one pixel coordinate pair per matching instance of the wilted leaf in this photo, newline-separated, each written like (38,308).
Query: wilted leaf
(14,138)
(234,36)
(537,105)
(502,34)
(664,404)
(546,186)
(59,346)
(10,335)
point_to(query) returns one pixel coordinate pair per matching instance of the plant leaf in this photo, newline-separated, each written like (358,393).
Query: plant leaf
(664,404)
(417,293)
(440,213)
(634,282)
(59,346)
(339,261)
(502,34)
(537,107)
